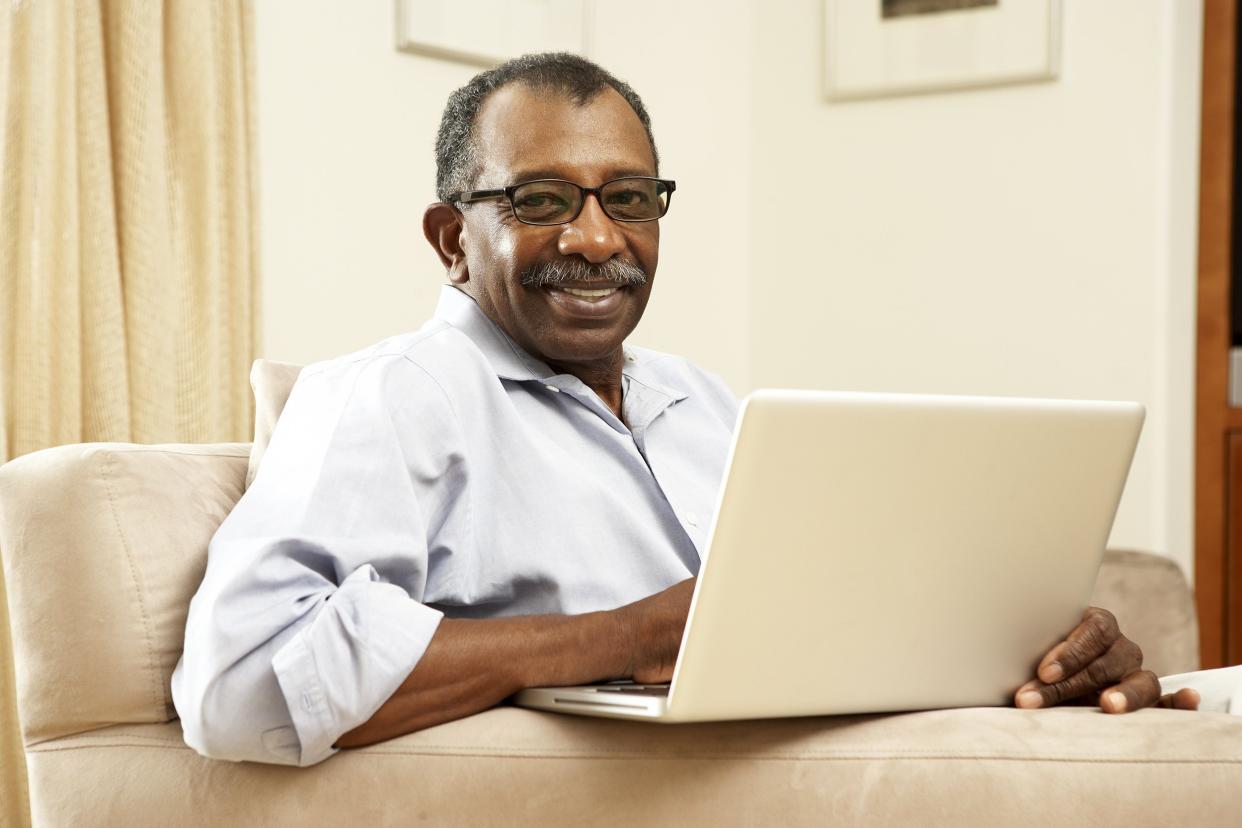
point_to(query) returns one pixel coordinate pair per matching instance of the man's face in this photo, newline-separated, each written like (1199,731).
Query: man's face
(522,135)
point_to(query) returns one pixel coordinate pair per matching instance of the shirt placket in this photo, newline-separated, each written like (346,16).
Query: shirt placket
(641,406)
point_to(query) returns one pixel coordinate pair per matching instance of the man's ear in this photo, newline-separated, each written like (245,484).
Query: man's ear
(442,225)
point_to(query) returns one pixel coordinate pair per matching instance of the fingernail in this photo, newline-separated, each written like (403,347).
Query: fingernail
(1117,700)
(1030,698)
(1052,673)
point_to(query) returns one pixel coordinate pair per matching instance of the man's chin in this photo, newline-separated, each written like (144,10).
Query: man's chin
(579,346)
(583,354)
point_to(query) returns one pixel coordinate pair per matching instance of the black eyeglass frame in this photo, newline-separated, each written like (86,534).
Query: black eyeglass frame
(471,196)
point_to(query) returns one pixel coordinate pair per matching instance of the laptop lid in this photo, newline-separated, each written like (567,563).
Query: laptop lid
(875,552)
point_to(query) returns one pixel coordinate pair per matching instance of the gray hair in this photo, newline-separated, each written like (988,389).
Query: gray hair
(574,77)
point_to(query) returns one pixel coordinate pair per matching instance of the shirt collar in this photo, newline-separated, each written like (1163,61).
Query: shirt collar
(458,308)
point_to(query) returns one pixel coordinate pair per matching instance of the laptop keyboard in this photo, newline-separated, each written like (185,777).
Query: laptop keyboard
(635,689)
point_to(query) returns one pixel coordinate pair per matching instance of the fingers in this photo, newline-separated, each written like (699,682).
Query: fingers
(1185,699)
(1091,639)
(1119,662)
(1136,691)
(1096,658)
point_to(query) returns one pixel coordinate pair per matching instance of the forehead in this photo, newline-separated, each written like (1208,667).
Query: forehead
(522,132)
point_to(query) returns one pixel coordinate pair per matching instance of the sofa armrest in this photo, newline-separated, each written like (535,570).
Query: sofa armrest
(1154,607)
(103,546)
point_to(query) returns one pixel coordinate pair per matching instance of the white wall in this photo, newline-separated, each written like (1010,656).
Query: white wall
(346,140)
(1027,240)
(1032,240)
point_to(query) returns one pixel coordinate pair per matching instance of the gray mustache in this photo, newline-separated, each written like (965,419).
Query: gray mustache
(580,270)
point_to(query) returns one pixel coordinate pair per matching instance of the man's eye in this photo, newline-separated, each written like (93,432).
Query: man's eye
(541,201)
(627,197)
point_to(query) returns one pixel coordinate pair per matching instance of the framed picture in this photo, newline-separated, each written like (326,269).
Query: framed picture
(875,48)
(489,32)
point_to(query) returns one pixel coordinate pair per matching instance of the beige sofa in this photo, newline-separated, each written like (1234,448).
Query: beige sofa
(103,545)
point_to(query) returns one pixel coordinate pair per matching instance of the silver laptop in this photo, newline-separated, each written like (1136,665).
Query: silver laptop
(881,552)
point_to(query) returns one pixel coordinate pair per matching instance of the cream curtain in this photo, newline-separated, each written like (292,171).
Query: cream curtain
(128,283)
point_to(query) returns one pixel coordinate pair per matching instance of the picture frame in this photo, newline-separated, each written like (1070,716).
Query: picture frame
(927,46)
(486,33)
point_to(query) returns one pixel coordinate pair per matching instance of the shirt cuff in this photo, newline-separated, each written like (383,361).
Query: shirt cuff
(1220,690)
(350,658)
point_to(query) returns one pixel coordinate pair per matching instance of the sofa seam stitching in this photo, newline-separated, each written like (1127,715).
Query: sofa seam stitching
(139,449)
(157,694)
(623,755)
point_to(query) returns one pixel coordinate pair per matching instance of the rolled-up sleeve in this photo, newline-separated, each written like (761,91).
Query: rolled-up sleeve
(310,613)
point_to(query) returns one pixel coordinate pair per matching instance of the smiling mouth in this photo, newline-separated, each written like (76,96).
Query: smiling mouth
(597,301)
(588,293)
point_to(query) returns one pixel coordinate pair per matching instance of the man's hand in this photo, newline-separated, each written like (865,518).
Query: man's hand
(471,665)
(1096,663)
(653,629)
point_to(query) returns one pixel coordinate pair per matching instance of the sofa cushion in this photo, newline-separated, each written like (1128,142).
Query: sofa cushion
(103,547)
(1066,766)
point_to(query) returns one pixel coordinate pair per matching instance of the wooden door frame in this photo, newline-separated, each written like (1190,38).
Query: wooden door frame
(1213,417)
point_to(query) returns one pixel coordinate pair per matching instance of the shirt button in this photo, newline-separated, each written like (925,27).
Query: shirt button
(553,388)
(691,519)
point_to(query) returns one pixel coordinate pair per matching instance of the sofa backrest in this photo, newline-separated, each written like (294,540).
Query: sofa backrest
(271,382)
(103,547)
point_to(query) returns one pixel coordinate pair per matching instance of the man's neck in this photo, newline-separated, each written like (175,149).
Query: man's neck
(602,377)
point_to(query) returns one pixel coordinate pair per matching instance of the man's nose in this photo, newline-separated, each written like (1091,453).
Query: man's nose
(592,234)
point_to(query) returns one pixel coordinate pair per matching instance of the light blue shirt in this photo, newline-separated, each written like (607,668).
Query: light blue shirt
(441,472)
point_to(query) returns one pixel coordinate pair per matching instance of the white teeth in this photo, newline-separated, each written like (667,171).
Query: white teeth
(590,294)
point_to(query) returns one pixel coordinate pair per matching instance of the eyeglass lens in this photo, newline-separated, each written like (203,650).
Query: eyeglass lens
(625,199)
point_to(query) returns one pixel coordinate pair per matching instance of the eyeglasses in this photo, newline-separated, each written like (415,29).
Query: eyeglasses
(553,201)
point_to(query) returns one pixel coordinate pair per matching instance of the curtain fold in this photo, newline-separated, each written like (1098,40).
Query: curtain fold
(128,258)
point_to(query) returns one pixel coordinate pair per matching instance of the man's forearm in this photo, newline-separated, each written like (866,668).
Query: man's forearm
(470,666)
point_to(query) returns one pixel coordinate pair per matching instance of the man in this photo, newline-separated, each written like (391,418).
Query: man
(510,496)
